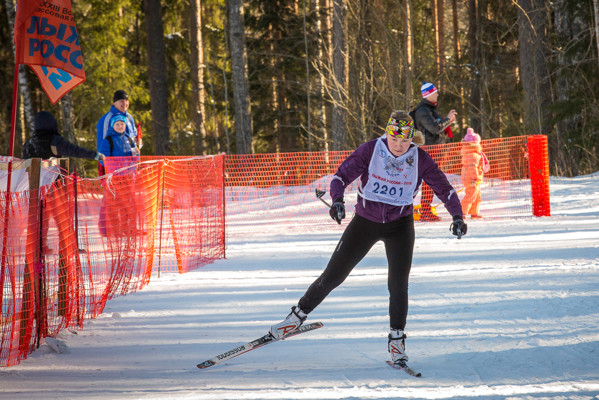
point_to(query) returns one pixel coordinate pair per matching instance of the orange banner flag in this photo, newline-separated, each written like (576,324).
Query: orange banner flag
(46,39)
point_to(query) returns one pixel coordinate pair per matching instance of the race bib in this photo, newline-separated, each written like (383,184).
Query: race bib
(391,180)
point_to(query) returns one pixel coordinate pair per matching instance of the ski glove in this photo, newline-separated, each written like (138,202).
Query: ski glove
(458,227)
(337,211)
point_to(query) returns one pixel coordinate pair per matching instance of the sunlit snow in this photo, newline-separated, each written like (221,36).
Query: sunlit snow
(511,311)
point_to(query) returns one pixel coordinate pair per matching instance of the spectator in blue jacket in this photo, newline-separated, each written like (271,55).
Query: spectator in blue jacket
(114,216)
(120,106)
(45,141)
(117,142)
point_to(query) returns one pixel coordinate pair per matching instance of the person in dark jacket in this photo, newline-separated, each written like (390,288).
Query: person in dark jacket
(427,118)
(434,127)
(46,142)
(390,169)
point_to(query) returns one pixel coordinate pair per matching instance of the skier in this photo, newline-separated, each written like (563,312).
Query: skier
(391,168)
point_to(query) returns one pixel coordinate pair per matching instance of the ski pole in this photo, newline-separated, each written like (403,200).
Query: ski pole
(439,203)
(319,194)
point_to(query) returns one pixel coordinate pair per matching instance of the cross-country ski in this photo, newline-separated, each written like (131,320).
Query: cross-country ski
(255,344)
(402,365)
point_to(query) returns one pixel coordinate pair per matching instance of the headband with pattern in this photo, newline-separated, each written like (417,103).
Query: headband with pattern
(400,128)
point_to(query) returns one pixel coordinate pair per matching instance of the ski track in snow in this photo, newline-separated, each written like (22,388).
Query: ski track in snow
(510,311)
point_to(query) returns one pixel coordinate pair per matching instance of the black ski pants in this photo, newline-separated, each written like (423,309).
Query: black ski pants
(357,240)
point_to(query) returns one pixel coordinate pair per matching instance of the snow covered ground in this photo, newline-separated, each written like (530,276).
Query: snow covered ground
(511,311)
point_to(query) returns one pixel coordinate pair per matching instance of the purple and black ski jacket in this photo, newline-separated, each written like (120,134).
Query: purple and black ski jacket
(356,165)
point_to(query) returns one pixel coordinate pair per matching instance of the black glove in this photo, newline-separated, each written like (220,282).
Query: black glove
(458,227)
(337,210)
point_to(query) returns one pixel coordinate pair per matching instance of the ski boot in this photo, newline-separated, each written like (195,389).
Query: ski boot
(397,346)
(293,321)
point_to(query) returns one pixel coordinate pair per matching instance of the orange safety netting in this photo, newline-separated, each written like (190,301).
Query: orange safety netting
(73,244)
(275,192)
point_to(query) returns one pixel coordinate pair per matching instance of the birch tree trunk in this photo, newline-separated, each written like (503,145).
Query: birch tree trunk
(308,88)
(274,82)
(324,55)
(439,36)
(157,76)
(563,29)
(360,72)
(239,70)
(457,48)
(67,131)
(409,56)
(23,84)
(532,24)
(198,91)
(596,15)
(26,97)
(66,112)
(475,77)
(339,85)
(567,28)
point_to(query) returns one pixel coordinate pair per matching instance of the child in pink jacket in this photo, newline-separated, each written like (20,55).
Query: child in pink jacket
(474,163)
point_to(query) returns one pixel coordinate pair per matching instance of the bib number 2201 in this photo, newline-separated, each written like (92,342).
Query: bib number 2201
(384,189)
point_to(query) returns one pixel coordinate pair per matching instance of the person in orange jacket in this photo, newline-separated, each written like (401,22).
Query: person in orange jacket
(474,164)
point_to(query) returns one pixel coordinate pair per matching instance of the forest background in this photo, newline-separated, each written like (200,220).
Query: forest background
(258,76)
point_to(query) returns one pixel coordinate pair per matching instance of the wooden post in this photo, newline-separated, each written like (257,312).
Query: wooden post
(31,283)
